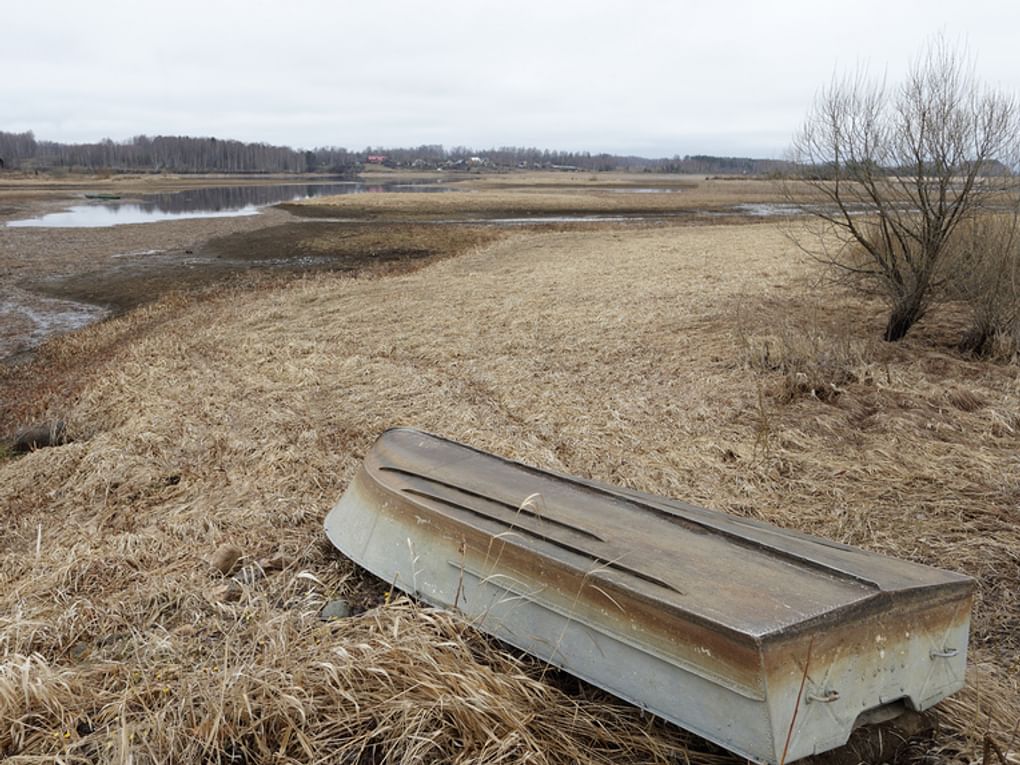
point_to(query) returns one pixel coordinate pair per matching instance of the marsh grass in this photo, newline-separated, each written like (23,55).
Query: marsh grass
(984,275)
(811,360)
(632,355)
(513,196)
(975,278)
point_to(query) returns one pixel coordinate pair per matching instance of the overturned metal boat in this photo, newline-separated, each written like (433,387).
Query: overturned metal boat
(771,643)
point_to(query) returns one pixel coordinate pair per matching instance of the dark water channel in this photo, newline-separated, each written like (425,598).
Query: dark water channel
(209,202)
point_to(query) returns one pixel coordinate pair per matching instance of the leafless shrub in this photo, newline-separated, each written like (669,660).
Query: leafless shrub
(899,170)
(985,276)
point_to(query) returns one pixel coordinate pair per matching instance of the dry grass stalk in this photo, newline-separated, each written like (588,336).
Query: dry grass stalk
(812,362)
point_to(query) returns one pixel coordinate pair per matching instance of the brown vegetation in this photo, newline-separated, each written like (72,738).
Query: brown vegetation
(356,244)
(122,267)
(550,194)
(978,276)
(682,361)
(288,248)
(985,277)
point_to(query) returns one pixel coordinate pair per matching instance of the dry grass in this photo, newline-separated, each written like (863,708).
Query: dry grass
(355,243)
(811,359)
(619,355)
(532,194)
(592,180)
(467,205)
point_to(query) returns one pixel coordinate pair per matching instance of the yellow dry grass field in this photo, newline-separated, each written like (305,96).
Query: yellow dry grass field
(548,194)
(700,362)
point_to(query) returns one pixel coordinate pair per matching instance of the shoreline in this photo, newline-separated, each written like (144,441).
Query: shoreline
(275,251)
(34,259)
(60,280)
(116,268)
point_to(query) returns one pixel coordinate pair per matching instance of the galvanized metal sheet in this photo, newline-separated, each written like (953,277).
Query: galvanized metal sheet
(708,620)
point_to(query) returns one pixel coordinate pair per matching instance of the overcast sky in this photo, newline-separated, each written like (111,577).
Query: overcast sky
(650,78)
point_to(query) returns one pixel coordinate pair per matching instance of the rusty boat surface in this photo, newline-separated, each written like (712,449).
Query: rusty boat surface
(771,643)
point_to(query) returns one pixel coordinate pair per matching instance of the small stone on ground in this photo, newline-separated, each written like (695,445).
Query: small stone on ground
(335,609)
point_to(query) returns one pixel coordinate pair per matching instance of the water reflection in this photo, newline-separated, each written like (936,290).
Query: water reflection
(209,202)
(223,198)
(98,216)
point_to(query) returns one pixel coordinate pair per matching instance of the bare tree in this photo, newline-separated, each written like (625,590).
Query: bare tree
(897,170)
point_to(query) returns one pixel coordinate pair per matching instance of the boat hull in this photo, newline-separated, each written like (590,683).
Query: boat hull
(436,520)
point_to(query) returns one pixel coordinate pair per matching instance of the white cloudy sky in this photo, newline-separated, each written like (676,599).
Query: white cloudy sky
(643,77)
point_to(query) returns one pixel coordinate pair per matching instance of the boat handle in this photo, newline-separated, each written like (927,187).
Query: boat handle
(827,698)
(945,653)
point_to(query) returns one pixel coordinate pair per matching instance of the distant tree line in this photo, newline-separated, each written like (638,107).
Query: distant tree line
(175,154)
(704,164)
(15,147)
(508,157)
(436,156)
(183,154)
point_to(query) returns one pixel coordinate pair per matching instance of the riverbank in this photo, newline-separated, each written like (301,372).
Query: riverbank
(31,259)
(534,195)
(247,259)
(701,362)
(56,279)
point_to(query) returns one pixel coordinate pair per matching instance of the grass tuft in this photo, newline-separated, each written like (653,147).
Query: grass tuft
(811,361)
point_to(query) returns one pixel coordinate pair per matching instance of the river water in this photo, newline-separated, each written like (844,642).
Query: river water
(210,202)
